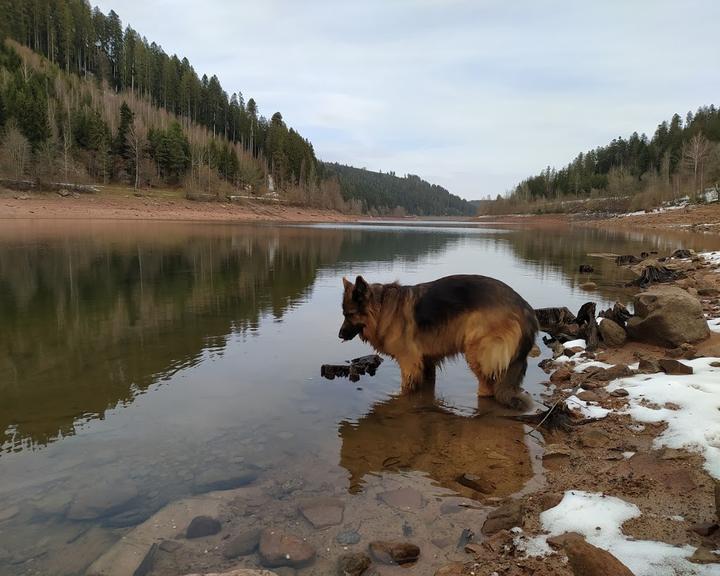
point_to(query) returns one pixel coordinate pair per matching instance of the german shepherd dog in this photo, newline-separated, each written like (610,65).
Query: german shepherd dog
(419,326)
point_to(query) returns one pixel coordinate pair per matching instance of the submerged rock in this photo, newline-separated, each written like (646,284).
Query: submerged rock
(202,526)
(323,512)
(394,552)
(243,544)
(348,537)
(218,479)
(403,498)
(102,500)
(277,549)
(353,564)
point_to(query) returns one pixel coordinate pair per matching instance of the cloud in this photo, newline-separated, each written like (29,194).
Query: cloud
(473,95)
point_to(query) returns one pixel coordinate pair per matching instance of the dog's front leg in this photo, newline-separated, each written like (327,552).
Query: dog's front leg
(412,375)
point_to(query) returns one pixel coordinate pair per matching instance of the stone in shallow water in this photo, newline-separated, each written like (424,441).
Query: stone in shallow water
(323,512)
(277,549)
(243,544)
(394,552)
(102,500)
(348,537)
(402,498)
(353,564)
(8,513)
(218,479)
(202,526)
(503,518)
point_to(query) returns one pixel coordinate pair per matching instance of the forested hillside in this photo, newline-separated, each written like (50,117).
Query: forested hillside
(388,194)
(85,100)
(112,106)
(681,158)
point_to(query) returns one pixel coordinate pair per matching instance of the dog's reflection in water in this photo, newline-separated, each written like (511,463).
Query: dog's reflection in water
(416,432)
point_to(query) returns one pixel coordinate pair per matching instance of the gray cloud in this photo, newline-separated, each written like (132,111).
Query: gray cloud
(473,95)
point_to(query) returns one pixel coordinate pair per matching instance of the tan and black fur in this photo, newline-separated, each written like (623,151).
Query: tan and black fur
(419,326)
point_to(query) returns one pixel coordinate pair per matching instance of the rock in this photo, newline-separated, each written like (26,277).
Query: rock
(648,366)
(588,286)
(454,569)
(353,564)
(562,374)
(403,498)
(534,351)
(503,518)
(323,512)
(704,556)
(705,529)
(202,526)
(475,482)
(612,333)
(102,500)
(586,559)
(715,364)
(394,552)
(239,572)
(277,549)
(348,537)
(674,367)
(668,316)
(170,546)
(9,513)
(589,396)
(147,563)
(212,480)
(549,500)
(619,393)
(717,499)
(594,438)
(612,373)
(585,268)
(673,454)
(243,544)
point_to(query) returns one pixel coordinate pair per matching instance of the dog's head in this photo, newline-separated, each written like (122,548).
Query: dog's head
(357,299)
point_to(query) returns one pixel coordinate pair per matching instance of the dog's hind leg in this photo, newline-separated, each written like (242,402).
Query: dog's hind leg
(485,382)
(508,389)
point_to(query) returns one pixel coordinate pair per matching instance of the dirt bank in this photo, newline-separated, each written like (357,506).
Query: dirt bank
(698,218)
(122,204)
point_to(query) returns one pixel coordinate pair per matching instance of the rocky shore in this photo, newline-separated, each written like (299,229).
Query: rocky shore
(629,479)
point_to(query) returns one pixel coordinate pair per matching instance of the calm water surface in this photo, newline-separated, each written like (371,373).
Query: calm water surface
(141,361)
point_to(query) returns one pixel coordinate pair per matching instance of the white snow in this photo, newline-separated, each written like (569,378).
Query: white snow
(587,409)
(714,324)
(695,424)
(579,343)
(599,518)
(712,257)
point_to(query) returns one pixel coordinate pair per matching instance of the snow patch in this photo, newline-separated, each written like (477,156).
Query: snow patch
(599,519)
(714,325)
(695,424)
(712,257)
(587,409)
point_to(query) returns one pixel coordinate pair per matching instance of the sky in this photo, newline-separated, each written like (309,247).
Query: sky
(473,95)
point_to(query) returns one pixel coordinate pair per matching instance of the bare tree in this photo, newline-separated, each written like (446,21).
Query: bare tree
(15,150)
(137,141)
(695,152)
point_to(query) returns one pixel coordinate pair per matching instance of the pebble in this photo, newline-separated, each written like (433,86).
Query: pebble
(202,526)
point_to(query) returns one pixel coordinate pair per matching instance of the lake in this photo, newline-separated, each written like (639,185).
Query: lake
(142,363)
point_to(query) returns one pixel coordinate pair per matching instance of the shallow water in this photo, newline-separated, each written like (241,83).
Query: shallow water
(141,362)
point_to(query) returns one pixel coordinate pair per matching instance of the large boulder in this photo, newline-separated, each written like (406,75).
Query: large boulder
(668,316)
(612,333)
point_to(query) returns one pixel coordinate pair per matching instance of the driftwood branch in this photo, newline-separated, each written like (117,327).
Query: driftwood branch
(356,368)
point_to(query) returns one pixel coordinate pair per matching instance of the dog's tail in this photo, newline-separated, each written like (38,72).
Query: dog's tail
(508,387)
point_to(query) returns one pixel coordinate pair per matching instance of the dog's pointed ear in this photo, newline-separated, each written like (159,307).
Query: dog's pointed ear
(361,290)
(347,284)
